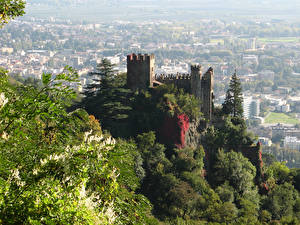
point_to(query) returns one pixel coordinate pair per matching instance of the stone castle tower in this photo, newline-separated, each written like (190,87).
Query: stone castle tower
(141,75)
(141,71)
(207,95)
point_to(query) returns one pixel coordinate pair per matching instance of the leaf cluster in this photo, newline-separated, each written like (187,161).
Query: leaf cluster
(10,9)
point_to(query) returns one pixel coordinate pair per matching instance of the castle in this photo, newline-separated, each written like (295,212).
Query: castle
(177,130)
(141,75)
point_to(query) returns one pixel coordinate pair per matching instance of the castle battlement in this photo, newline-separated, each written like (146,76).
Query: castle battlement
(173,76)
(140,76)
(196,67)
(210,71)
(133,58)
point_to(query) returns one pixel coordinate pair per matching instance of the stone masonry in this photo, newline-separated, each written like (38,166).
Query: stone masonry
(141,75)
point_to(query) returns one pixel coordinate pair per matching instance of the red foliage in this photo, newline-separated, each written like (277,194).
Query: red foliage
(174,130)
(260,159)
(184,124)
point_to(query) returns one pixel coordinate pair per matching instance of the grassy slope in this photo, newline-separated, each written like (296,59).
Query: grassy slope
(281,118)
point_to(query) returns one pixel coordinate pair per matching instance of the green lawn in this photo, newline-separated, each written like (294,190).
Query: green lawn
(219,41)
(281,39)
(281,118)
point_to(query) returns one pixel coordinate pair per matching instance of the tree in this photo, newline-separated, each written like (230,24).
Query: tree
(281,201)
(248,213)
(10,9)
(58,167)
(101,78)
(280,172)
(233,104)
(235,169)
(108,99)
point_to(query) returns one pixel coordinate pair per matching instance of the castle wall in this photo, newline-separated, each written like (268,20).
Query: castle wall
(140,75)
(207,94)
(179,80)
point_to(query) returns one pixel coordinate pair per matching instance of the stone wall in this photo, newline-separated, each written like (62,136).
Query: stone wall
(178,80)
(140,75)
(207,94)
(140,71)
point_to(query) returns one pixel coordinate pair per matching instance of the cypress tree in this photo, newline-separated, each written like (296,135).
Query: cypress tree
(233,104)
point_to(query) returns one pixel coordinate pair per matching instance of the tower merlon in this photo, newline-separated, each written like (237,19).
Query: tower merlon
(196,67)
(210,70)
(132,58)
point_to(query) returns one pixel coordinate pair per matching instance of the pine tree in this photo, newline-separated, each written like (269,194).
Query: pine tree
(107,98)
(233,104)
(101,78)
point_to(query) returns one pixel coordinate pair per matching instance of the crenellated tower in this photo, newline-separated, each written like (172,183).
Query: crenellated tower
(196,76)
(140,76)
(207,96)
(140,71)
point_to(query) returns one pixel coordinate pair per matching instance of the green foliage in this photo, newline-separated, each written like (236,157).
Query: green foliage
(175,101)
(108,99)
(153,154)
(230,134)
(235,169)
(123,156)
(233,104)
(248,213)
(281,201)
(226,192)
(126,114)
(10,9)
(62,189)
(149,108)
(175,185)
(296,179)
(145,116)
(223,213)
(57,167)
(280,172)
(35,117)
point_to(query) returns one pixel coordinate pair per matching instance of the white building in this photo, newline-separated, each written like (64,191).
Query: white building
(283,108)
(291,143)
(250,59)
(251,43)
(114,59)
(251,107)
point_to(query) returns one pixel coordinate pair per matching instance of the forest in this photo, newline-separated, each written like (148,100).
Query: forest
(60,166)
(105,158)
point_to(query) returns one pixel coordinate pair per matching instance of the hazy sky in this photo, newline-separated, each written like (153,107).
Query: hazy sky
(162,9)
